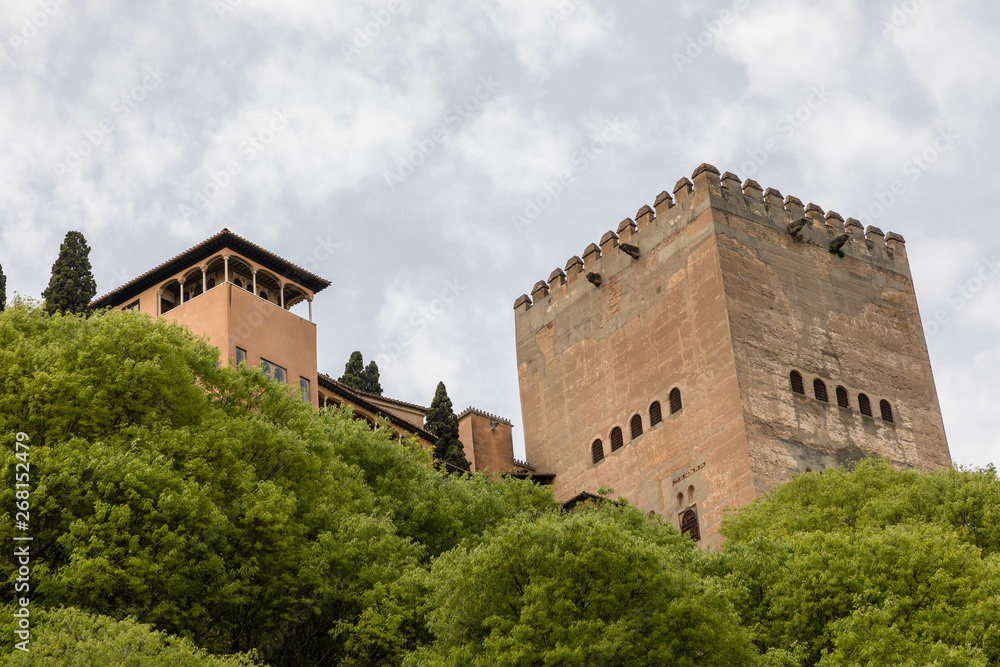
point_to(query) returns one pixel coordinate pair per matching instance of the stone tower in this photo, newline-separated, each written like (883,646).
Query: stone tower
(721,341)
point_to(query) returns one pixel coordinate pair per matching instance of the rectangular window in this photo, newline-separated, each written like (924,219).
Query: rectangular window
(132,306)
(304,388)
(241,355)
(274,371)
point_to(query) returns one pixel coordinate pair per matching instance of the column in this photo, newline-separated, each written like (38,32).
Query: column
(254,271)
(310,300)
(204,280)
(159,302)
(281,290)
(225,261)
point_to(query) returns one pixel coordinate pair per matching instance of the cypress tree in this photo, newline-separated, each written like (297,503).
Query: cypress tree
(442,422)
(370,379)
(3,289)
(72,285)
(359,377)
(354,371)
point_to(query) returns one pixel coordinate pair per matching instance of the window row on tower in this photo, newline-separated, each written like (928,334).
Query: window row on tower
(617,436)
(843,398)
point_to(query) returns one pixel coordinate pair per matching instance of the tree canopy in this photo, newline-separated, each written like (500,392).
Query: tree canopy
(361,377)
(72,286)
(187,513)
(442,422)
(3,289)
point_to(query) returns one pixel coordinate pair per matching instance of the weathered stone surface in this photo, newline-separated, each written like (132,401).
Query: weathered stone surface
(723,304)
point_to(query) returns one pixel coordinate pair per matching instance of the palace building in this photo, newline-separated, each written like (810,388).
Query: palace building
(239,296)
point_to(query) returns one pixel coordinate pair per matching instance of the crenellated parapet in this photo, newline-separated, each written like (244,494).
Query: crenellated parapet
(777,218)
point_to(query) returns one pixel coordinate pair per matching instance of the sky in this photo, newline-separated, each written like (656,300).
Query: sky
(410,152)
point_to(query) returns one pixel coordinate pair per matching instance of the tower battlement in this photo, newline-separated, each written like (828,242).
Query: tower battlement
(808,225)
(722,339)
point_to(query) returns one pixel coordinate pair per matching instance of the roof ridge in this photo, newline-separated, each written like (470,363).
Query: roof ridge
(309,277)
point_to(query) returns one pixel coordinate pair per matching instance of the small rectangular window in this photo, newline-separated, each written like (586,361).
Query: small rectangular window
(274,371)
(304,388)
(132,306)
(241,355)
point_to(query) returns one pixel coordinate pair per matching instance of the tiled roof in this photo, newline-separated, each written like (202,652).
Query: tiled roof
(360,399)
(203,251)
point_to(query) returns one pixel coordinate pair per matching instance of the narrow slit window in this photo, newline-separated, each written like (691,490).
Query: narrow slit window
(842,399)
(655,414)
(617,440)
(675,401)
(597,451)
(864,405)
(241,355)
(886,410)
(797,386)
(819,388)
(636,426)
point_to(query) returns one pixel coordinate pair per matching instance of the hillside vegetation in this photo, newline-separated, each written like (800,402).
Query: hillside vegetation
(187,513)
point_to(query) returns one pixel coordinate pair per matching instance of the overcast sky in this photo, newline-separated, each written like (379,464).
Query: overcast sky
(403,151)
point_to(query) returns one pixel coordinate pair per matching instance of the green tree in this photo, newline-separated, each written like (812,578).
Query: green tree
(73,638)
(874,565)
(72,285)
(370,379)
(605,586)
(3,289)
(210,504)
(442,422)
(354,371)
(360,377)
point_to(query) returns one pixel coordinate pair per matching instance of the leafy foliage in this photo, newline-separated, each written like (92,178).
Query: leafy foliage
(871,566)
(442,422)
(71,638)
(3,289)
(605,586)
(170,495)
(72,285)
(361,377)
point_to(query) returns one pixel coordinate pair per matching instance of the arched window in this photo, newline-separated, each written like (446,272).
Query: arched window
(842,399)
(616,439)
(680,500)
(819,388)
(797,386)
(655,415)
(689,525)
(886,410)
(211,283)
(691,494)
(675,401)
(864,405)
(263,295)
(597,450)
(636,425)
